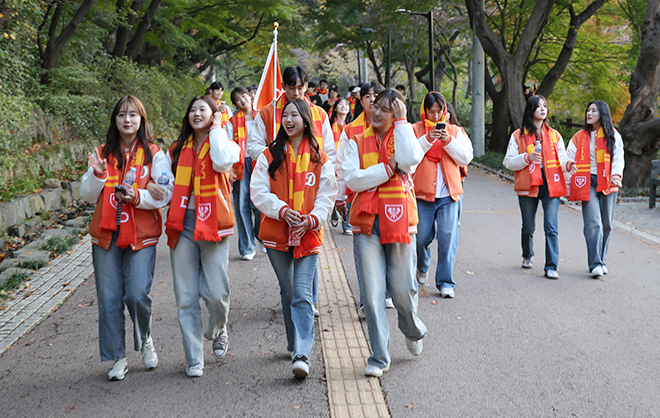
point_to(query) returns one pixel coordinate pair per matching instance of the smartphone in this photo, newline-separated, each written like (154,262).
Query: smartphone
(120,189)
(440,125)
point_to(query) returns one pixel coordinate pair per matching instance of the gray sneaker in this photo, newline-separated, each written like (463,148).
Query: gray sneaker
(447,292)
(221,345)
(119,370)
(300,367)
(527,263)
(149,356)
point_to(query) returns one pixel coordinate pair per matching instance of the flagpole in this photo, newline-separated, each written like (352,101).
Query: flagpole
(275,26)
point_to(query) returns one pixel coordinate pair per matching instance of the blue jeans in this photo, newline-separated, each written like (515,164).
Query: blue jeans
(598,214)
(528,206)
(446,213)
(345,224)
(388,268)
(296,276)
(123,277)
(248,217)
(200,270)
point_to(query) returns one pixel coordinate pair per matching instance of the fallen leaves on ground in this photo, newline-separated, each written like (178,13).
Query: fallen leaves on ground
(435,302)
(423,293)
(410,406)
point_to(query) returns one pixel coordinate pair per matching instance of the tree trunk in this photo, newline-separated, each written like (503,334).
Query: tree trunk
(499,136)
(410,72)
(55,44)
(372,58)
(142,28)
(640,126)
(510,65)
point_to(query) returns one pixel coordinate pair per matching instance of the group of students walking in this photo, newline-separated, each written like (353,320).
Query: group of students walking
(397,186)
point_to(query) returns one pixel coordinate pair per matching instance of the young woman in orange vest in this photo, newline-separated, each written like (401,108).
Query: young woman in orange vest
(537,155)
(125,229)
(596,162)
(377,165)
(199,221)
(294,186)
(368,92)
(439,189)
(247,215)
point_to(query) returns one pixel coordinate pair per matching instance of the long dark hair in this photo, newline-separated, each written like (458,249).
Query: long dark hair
(605,122)
(333,117)
(113,139)
(278,146)
(528,116)
(187,129)
(432,98)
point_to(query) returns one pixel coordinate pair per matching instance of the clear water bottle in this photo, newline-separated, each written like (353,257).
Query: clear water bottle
(537,147)
(163,180)
(130,177)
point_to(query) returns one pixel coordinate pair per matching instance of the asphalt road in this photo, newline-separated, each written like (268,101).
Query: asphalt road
(515,344)
(511,343)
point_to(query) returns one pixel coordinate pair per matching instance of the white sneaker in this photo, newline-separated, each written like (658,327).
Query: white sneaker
(552,274)
(597,272)
(422,278)
(248,256)
(415,347)
(149,356)
(375,371)
(196,370)
(119,370)
(316,311)
(300,368)
(388,303)
(262,248)
(604,270)
(527,263)
(447,292)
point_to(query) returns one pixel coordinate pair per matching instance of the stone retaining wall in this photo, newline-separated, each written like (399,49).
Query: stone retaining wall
(21,215)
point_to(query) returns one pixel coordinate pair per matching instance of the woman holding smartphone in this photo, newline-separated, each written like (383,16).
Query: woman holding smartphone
(125,229)
(439,189)
(294,186)
(198,223)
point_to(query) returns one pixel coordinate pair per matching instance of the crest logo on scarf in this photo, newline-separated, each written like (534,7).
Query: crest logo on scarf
(580,181)
(393,212)
(532,167)
(113,202)
(125,217)
(203,211)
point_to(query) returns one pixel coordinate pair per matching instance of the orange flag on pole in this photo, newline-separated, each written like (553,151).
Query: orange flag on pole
(270,86)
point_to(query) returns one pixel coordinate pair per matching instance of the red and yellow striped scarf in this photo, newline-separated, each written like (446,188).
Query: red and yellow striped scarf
(238,122)
(297,169)
(437,150)
(351,101)
(357,127)
(116,175)
(337,128)
(581,181)
(388,201)
(200,168)
(553,170)
(321,91)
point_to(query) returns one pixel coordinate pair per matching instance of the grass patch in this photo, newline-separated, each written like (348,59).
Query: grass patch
(18,187)
(33,264)
(58,245)
(494,161)
(14,281)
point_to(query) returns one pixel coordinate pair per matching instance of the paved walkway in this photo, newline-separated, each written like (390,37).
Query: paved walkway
(343,343)
(48,288)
